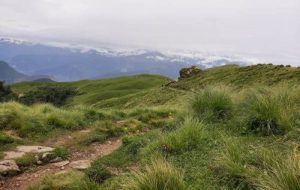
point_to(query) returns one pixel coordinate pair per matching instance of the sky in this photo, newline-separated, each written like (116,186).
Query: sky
(267,29)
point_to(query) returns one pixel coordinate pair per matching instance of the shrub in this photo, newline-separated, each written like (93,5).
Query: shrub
(269,111)
(56,95)
(5,93)
(160,175)
(212,105)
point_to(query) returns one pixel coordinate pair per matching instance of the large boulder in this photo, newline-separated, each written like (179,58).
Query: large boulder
(189,72)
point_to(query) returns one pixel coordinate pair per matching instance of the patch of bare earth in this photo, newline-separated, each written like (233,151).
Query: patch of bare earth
(78,159)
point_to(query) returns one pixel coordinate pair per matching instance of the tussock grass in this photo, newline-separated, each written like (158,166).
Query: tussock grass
(159,175)
(271,111)
(187,137)
(213,104)
(283,172)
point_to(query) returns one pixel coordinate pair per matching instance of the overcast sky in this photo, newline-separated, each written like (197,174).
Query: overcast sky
(263,28)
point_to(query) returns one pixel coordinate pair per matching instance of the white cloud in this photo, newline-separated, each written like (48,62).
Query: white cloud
(269,29)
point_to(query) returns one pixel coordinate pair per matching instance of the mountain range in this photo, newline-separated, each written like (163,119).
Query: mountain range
(70,63)
(10,75)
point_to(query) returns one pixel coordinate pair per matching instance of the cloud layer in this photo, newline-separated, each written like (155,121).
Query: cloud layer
(264,28)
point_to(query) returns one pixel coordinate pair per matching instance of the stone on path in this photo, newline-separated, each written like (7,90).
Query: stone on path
(11,155)
(61,164)
(80,164)
(34,149)
(8,167)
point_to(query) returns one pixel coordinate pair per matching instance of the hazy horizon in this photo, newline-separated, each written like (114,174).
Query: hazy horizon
(264,29)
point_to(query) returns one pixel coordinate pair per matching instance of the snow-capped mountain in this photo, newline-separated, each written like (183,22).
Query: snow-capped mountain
(64,62)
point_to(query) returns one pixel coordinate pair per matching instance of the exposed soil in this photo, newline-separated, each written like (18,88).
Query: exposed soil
(77,156)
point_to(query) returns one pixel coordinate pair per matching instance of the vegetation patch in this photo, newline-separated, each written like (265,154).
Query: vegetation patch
(156,176)
(213,105)
(72,181)
(188,137)
(56,95)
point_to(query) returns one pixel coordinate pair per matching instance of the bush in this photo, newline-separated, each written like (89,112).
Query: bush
(270,111)
(5,93)
(160,175)
(56,95)
(188,137)
(212,105)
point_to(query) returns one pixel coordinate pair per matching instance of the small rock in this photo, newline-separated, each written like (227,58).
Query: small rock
(57,159)
(80,164)
(61,164)
(39,162)
(8,167)
(62,168)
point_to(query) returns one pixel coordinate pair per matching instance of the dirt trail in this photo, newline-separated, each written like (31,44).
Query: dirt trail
(32,175)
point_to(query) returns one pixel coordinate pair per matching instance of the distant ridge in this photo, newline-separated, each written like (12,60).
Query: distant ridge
(71,63)
(9,75)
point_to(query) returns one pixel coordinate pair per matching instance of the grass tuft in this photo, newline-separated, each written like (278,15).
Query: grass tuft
(212,105)
(159,175)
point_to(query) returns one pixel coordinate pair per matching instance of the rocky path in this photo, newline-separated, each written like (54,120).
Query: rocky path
(78,159)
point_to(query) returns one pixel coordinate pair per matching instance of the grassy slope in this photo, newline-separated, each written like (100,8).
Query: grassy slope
(236,76)
(222,155)
(151,90)
(106,92)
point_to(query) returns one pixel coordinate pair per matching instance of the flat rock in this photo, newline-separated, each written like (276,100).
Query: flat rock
(11,155)
(34,149)
(8,167)
(61,164)
(80,164)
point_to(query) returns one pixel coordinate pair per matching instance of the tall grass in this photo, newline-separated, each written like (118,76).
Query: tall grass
(213,104)
(159,175)
(283,172)
(189,136)
(270,111)
(39,119)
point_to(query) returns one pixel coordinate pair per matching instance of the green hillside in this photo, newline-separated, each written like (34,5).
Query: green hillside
(226,128)
(102,93)
(154,90)
(236,76)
